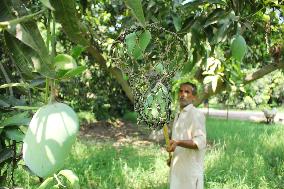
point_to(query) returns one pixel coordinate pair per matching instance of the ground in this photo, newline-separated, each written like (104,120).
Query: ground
(118,131)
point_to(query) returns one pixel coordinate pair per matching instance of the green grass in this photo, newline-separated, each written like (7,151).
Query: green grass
(244,155)
(105,166)
(241,155)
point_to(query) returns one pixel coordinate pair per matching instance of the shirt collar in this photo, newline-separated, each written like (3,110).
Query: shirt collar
(187,108)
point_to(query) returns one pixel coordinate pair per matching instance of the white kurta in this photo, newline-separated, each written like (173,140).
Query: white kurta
(188,164)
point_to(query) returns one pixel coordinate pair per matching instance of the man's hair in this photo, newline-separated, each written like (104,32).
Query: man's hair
(193,87)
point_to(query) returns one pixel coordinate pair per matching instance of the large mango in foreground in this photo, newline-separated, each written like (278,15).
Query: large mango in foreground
(49,138)
(238,47)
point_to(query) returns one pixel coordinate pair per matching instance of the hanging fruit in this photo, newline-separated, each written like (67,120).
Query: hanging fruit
(49,138)
(238,47)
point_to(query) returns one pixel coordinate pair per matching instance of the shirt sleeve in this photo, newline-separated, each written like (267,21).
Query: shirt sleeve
(199,131)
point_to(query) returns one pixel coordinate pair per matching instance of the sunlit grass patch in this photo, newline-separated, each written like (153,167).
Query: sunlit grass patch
(244,155)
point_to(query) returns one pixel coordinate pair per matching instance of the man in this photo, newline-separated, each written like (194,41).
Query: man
(188,142)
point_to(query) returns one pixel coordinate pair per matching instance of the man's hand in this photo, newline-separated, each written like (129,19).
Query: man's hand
(172,146)
(169,161)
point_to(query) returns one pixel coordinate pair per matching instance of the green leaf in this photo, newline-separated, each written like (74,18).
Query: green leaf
(149,100)
(143,42)
(137,43)
(6,154)
(159,68)
(64,62)
(187,67)
(207,80)
(37,82)
(130,41)
(8,23)
(77,51)
(137,53)
(73,72)
(214,83)
(164,89)
(196,31)
(26,107)
(29,34)
(220,35)
(47,4)
(15,134)
(26,58)
(177,22)
(48,183)
(227,18)
(137,10)
(26,31)
(67,15)
(237,69)
(7,13)
(242,89)
(21,57)
(154,112)
(212,66)
(71,177)
(213,80)
(13,101)
(125,76)
(18,119)
(144,39)
(5,8)
(25,85)
(224,25)
(188,22)
(214,17)
(194,3)
(159,96)
(4,104)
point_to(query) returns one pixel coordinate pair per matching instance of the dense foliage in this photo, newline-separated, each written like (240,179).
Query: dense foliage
(63,49)
(264,93)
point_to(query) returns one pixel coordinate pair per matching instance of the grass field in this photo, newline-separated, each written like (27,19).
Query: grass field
(240,155)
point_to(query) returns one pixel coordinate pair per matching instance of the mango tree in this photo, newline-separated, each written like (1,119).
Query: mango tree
(209,28)
(224,38)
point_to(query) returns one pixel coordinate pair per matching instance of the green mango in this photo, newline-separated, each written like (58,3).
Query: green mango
(238,47)
(49,138)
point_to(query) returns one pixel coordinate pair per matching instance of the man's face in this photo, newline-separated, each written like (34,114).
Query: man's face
(185,95)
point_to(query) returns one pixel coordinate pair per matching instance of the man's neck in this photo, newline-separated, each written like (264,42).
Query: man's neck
(182,107)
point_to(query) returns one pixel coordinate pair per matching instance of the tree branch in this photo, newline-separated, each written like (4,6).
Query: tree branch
(263,71)
(208,92)
(6,24)
(115,72)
